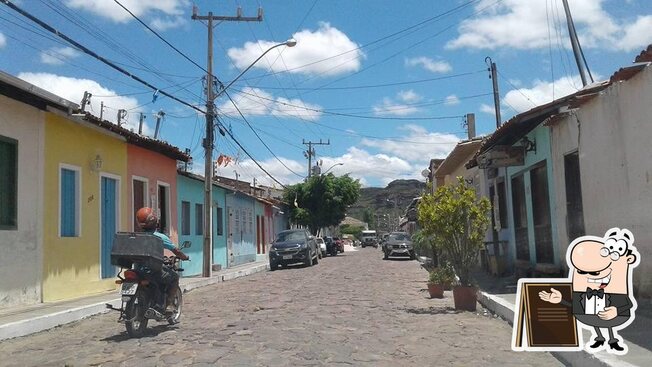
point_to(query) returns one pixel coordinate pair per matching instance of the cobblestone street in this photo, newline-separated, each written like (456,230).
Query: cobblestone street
(354,309)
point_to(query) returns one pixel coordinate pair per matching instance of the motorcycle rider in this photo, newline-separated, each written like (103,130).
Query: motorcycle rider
(148,221)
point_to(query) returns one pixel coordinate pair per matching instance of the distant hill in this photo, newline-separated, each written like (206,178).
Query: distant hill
(375,199)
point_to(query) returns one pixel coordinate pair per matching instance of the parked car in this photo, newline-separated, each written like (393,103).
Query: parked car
(322,246)
(331,246)
(293,246)
(398,244)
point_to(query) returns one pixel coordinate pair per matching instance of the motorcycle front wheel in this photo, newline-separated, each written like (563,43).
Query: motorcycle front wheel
(178,303)
(136,323)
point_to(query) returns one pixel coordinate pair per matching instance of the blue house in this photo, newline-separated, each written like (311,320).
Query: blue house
(240,228)
(190,195)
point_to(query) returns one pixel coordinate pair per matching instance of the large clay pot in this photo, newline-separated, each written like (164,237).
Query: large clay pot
(465,298)
(436,290)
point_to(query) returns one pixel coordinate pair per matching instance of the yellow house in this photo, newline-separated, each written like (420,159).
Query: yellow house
(85,203)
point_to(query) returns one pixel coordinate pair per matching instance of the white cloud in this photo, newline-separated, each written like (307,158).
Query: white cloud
(257,102)
(541,92)
(73,90)
(452,100)
(637,35)
(485,108)
(367,167)
(401,106)
(163,24)
(524,25)
(429,64)
(109,9)
(3,40)
(58,55)
(326,51)
(247,170)
(423,145)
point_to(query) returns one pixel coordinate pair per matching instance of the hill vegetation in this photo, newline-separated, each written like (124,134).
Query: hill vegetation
(387,204)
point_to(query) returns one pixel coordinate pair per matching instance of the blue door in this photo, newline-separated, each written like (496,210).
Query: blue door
(108,225)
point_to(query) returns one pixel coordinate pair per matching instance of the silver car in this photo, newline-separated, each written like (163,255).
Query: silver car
(322,246)
(398,244)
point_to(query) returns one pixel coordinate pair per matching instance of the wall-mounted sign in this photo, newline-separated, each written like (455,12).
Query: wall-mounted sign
(502,156)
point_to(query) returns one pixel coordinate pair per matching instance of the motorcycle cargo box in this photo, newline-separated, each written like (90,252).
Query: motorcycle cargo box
(141,248)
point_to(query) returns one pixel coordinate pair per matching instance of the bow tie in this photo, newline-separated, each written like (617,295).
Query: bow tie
(594,292)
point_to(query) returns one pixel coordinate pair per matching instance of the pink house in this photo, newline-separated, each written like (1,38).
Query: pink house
(152,175)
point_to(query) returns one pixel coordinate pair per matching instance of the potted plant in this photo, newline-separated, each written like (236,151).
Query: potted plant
(457,220)
(439,280)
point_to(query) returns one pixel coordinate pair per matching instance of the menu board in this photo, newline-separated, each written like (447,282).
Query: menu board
(546,325)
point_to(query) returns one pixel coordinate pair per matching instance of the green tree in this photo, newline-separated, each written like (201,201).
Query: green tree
(321,201)
(353,230)
(368,217)
(457,221)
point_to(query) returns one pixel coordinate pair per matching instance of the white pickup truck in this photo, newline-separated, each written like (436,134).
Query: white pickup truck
(369,238)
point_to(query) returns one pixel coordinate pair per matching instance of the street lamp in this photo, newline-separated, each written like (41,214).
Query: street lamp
(208,149)
(289,43)
(331,167)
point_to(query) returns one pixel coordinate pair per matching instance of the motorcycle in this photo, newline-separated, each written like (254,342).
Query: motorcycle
(144,298)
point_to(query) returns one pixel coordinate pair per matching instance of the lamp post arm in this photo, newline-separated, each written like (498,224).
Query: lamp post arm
(247,69)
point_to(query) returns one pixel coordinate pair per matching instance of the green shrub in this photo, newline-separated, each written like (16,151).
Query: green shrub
(444,275)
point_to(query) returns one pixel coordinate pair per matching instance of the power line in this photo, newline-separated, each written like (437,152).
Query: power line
(351,115)
(400,51)
(258,136)
(93,54)
(414,28)
(107,39)
(383,85)
(161,38)
(138,79)
(247,153)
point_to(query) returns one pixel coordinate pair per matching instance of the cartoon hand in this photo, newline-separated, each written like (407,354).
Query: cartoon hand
(553,297)
(608,313)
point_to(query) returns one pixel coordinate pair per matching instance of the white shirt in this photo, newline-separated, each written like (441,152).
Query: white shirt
(594,305)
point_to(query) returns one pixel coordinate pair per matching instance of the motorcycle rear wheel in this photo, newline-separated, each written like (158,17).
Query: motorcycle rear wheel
(136,323)
(178,303)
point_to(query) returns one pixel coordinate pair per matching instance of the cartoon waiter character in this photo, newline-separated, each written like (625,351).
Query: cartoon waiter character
(601,275)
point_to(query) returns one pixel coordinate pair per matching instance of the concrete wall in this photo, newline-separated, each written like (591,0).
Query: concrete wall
(20,263)
(71,266)
(155,169)
(564,139)
(616,166)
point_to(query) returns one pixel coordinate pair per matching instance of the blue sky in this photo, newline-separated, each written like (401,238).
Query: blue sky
(387,82)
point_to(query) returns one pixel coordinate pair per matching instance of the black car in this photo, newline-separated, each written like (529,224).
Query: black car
(331,246)
(293,246)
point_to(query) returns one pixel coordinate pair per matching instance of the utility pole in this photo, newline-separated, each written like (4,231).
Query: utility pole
(159,116)
(140,123)
(101,110)
(577,49)
(122,113)
(311,152)
(210,129)
(494,78)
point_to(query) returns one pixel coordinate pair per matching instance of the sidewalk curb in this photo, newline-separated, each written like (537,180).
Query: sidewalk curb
(52,320)
(505,310)
(45,322)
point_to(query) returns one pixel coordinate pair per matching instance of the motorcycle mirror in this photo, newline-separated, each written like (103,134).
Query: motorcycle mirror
(186,244)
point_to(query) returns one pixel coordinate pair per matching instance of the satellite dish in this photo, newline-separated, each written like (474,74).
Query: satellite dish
(425,173)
